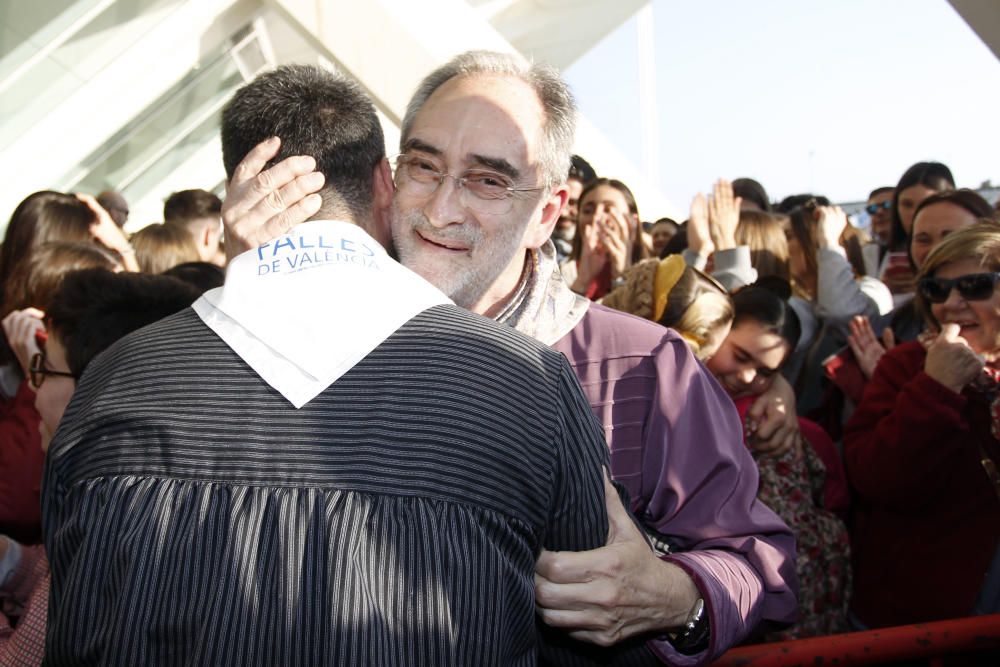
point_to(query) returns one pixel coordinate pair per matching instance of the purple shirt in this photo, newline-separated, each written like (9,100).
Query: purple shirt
(677,445)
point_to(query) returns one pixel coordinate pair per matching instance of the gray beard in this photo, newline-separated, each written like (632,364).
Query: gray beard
(466,283)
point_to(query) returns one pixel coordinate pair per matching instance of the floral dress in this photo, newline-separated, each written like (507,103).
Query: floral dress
(794,486)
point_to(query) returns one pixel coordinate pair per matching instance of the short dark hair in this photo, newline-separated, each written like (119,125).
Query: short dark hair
(880,191)
(765,306)
(116,206)
(581,170)
(190,205)
(751,190)
(94,308)
(970,200)
(314,112)
(203,275)
(792,202)
(933,175)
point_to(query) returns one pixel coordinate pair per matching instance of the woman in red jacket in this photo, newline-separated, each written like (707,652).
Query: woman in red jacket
(920,447)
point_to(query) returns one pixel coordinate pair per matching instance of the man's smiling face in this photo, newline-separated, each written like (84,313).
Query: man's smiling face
(476,126)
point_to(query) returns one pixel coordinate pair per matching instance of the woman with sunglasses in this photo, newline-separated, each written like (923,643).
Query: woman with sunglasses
(935,217)
(921,446)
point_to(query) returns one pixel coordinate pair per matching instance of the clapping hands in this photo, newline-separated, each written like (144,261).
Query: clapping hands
(713,220)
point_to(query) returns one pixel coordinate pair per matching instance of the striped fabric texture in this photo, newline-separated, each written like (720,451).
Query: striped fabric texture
(193,517)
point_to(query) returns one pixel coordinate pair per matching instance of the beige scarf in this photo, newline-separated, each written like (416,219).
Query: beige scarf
(543,306)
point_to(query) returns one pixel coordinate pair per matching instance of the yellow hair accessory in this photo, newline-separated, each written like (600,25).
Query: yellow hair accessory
(669,271)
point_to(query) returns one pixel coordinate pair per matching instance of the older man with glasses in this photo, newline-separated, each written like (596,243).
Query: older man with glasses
(479,186)
(324,461)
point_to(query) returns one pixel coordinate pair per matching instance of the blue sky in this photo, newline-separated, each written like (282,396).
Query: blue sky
(834,97)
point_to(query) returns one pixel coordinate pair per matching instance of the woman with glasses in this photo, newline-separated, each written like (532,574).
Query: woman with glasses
(30,288)
(921,447)
(92,309)
(935,218)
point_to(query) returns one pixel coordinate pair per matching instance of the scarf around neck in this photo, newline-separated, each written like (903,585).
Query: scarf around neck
(543,306)
(303,309)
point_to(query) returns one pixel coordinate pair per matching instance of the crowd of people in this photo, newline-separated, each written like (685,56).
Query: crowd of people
(463,406)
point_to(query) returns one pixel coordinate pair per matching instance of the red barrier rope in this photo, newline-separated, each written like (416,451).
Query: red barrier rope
(872,647)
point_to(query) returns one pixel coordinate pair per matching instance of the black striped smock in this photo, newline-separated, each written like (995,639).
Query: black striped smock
(193,517)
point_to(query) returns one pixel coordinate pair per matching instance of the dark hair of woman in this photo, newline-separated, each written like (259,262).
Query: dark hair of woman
(763,306)
(40,218)
(965,198)
(752,191)
(933,175)
(791,202)
(805,229)
(36,280)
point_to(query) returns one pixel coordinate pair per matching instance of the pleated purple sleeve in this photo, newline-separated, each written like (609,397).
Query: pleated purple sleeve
(677,445)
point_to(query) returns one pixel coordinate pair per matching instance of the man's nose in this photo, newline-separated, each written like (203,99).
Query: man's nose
(445,205)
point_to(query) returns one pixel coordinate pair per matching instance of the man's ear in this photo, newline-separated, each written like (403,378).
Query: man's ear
(537,234)
(383,190)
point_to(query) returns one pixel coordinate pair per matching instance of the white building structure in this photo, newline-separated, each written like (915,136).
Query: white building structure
(126,94)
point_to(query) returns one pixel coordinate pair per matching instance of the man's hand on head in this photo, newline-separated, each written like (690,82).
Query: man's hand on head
(606,595)
(264,204)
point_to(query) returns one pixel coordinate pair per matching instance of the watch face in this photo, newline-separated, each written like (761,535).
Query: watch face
(694,636)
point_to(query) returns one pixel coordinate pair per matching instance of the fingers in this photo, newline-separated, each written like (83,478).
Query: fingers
(88,200)
(569,597)
(777,445)
(888,338)
(254,163)
(262,205)
(949,332)
(620,524)
(857,349)
(699,207)
(576,567)
(861,329)
(758,408)
(255,187)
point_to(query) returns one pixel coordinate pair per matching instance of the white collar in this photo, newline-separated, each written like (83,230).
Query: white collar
(303,309)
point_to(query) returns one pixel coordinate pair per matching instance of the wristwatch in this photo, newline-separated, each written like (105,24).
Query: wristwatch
(693,636)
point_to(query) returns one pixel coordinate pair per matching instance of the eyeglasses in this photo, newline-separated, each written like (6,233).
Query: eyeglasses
(483,191)
(874,208)
(37,371)
(972,287)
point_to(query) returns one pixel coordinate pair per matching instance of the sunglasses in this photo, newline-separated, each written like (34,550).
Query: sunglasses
(874,208)
(37,371)
(973,287)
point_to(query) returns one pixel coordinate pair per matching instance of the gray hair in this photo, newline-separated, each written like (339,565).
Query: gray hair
(557,101)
